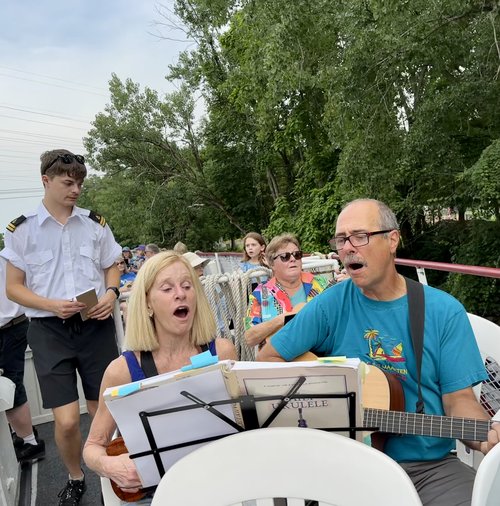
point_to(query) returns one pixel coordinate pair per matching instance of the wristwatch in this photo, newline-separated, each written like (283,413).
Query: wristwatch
(117,292)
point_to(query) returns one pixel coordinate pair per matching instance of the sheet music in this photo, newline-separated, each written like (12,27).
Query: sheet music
(275,379)
(173,428)
(220,382)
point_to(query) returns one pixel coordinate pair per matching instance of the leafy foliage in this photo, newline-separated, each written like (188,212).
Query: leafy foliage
(308,105)
(478,244)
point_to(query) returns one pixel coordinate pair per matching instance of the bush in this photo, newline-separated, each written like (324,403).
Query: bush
(475,242)
(478,244)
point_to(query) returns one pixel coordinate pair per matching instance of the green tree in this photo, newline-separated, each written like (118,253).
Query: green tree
(483,180)
(157,166)
(382,99)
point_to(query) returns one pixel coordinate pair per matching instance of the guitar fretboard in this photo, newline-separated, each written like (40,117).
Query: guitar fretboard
(398,422)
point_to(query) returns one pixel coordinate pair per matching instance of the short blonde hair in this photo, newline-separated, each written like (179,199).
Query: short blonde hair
(276,243)
(140,334)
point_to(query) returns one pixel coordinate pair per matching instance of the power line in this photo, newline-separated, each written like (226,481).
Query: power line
(33,134)
(41,142)
(16,156)
(24,151)
(54,85)
(50,77)
(22,197)
(43,114)
(39,122)
(19,190)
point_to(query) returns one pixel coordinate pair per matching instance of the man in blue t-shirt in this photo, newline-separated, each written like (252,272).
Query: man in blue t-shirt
(367,317)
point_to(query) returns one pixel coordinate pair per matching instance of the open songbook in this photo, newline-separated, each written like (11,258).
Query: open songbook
(167,416)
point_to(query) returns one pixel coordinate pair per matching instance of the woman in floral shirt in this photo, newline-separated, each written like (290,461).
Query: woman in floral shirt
(284,294)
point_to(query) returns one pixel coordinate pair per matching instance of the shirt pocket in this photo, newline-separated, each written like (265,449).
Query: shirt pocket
(89,267)
(39,266)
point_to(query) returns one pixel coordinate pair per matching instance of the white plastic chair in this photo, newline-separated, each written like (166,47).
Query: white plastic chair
(487,483)
(488,340)
(295,463)
(108,496)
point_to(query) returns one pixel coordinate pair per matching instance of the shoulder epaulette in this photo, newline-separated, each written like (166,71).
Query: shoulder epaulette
(15,223)
(97,218)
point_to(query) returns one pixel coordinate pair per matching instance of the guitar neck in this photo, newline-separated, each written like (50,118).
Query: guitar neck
(398,422)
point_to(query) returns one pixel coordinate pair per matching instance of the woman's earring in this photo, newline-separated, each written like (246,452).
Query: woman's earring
(150,312)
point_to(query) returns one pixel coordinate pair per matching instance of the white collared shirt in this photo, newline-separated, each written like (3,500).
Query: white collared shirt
(61,261)
(8,309)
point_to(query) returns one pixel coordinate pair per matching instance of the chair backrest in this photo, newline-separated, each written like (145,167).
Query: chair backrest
(487,483)
(487,335)
(488,340)
(286,462)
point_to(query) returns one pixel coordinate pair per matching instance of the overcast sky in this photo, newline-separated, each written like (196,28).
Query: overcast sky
(56,59)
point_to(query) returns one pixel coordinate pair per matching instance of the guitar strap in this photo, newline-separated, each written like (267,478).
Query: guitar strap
(416,309)
(148,364)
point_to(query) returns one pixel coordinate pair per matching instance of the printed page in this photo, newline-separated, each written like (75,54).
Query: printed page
(276,379)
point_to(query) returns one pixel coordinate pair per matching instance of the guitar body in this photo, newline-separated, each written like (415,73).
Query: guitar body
(117,447)
(381,391)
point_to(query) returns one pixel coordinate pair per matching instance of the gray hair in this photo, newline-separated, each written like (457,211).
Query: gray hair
(153,248)
(388,220)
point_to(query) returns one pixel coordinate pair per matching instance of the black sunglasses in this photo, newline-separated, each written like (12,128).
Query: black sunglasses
(285,257)
(67,159)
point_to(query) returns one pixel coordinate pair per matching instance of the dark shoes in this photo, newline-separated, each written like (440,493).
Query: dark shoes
(30,453)
(19,441)
(72,493)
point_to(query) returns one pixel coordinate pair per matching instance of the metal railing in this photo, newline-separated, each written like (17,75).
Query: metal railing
(229,261)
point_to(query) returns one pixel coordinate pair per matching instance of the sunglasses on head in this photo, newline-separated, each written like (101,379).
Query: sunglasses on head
(67,159)
(285,257)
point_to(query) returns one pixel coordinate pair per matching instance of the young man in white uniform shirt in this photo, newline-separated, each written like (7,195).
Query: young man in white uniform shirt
(54,254)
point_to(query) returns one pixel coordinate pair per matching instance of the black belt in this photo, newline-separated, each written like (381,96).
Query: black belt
(14,321)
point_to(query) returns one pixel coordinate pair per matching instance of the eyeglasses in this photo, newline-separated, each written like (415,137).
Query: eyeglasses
(285,257)
(356,240)
(67,159)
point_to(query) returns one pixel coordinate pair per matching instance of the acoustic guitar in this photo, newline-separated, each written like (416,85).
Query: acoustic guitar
(115,448)
(383,407)
(383,403)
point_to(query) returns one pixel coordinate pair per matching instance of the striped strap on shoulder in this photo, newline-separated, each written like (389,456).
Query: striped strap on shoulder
(15,223)
(97,218)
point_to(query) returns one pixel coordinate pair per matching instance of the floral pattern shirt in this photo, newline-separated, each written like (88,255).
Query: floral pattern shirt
(262,308)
